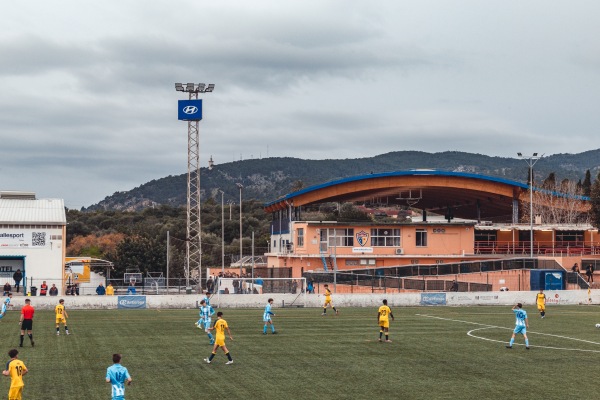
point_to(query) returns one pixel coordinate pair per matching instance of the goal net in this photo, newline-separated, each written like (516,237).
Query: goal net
(289,286)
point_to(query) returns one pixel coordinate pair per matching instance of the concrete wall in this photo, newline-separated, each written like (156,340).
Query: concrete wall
(572,297)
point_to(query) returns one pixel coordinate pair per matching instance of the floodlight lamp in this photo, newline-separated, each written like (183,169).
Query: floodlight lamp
(239,185)
(189,87)
(201,87)
(535,154)
(179,87)
(210,88)
(519,154)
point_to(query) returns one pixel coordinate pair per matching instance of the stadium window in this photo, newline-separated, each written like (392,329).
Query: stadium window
(421,238)
(343,237)
(385,237)
(300,237)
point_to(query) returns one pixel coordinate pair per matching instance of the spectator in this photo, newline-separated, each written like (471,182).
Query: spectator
(17,276)
(43,289)
(589,272)
(575,268)
(53,290)
(210,284)
(110,290)
(100,290)
(131,287)
(454,287)
(310,288)
(7,289)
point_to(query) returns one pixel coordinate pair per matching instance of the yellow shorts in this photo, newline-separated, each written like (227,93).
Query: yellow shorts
(384,324)
(63,320)
(328,302)
(541,307)
(14,393)
(220,341)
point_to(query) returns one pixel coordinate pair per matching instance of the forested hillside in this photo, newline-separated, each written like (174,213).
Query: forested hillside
(267,179)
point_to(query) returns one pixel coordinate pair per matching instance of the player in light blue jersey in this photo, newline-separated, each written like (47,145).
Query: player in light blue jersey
(267,318)
(205,321)
(207,297)
(521,325)
(117,375)
(6,304)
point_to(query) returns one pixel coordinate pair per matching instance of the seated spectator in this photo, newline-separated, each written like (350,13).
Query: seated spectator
(100,290)
(131,288)
(53,290)
(7,288)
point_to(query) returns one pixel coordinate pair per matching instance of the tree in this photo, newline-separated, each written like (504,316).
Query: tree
(595,200)
(587,183)
(557,203)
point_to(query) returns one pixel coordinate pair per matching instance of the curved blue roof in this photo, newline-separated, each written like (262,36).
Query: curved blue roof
(419,172)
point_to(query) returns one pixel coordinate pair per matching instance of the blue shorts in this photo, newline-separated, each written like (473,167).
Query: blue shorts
(520,329)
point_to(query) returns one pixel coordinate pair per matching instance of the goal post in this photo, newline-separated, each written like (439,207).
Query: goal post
(289,286)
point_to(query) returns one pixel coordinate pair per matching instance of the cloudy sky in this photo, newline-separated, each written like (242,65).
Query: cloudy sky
(88,105)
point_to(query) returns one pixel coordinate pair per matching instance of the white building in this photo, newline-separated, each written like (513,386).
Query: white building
(32,239)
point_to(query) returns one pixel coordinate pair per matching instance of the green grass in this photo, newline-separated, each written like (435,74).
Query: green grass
(314,356)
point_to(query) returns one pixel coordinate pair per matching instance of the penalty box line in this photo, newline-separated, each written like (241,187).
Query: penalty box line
(488,326)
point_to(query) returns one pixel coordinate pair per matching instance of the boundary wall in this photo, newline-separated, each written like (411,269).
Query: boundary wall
(553,297)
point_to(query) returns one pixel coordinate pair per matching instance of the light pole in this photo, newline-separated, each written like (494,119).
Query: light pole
(191,111)
(530,160)
(240,186)
(222,234)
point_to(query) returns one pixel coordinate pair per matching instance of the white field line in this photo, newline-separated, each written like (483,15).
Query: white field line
(487,326)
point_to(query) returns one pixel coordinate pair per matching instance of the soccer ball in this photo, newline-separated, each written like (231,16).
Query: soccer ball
(597,325)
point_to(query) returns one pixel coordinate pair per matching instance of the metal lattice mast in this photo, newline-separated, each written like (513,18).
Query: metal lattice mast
(194,240)
(191,111)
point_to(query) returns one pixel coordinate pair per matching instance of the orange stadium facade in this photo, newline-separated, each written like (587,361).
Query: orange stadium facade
(479,224)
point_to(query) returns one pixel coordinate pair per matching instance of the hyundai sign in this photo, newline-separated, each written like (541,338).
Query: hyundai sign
(190,110)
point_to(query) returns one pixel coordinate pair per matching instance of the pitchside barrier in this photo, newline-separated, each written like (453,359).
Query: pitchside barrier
(296,287)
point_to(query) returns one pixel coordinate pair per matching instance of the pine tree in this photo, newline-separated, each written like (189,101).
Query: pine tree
(595,200)
(587,183)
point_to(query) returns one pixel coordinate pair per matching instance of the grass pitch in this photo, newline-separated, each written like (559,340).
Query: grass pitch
(436,353)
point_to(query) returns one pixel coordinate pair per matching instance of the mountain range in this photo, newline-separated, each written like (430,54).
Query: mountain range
(267,179)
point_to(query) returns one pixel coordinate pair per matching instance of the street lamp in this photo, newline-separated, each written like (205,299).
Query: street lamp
(240,186)
(222,234)
(530,160)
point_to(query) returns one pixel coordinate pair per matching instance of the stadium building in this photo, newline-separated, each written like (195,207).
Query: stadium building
(32,239)
(468,234)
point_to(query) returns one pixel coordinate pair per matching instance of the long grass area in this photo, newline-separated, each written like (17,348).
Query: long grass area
(436,353)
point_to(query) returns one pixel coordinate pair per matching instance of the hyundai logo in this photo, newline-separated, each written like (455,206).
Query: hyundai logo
(190,109)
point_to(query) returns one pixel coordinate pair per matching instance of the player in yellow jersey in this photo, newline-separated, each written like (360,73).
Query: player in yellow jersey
(328,301)
(61,316)
(15,369)
(540,300)
(383,319)
(220,326)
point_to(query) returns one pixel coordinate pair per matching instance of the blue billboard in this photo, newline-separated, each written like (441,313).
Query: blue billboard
(433,299)
(131,302)
(189,110)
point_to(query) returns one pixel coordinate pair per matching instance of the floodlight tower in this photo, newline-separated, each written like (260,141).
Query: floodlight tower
(191,111)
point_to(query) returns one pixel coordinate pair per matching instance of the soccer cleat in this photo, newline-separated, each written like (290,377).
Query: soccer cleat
(57,333)
(274,333)
(264,333)
(212,341)
(67,333)
(388,341)
(509,347)
(32,343)
(229,362)
(207,360)
(379,339)
(337,313)
(323,314)
(527,348)
(21,345)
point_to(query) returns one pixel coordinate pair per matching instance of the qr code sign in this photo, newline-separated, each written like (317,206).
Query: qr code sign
(38,238)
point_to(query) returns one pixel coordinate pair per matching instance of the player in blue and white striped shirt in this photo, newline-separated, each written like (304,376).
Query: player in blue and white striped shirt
(200,321)
(6,304)
(206,312)
(521,325)
(267,317)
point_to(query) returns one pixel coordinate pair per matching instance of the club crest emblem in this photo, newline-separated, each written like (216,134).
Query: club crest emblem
(362,238)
